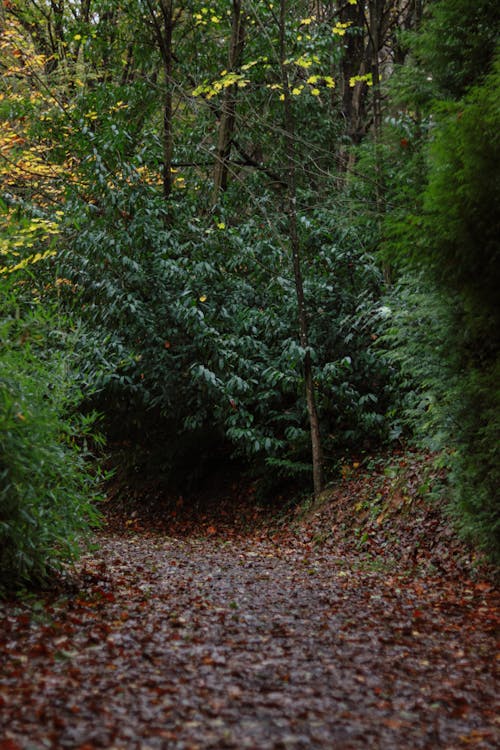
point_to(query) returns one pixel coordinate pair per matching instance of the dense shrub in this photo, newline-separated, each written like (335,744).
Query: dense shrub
(446,311)
(449,403)
(196,319)
(46,486)
(462,230)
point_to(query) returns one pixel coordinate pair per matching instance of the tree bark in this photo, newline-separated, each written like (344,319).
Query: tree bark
(375,21)
(228,112)
(163,29)
(290,154)
(168,133)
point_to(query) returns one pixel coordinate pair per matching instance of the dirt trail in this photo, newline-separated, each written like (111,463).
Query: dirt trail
(248,643)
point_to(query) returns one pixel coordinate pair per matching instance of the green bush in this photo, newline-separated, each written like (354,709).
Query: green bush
(449,399)
(442,235)
(457,43)
(445,317)
(197,322)
(475,462)
(46,484)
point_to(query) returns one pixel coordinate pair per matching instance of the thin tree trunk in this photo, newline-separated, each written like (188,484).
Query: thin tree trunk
(289,130)
(163,29)
(168,140)
(374,7)
(228,112)
(56,34)
(374,21)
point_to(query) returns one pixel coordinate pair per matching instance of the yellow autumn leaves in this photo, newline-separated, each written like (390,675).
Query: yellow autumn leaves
(239,79)
(28,261)
(206,16)
(209,90)
(36,232)
(227,79)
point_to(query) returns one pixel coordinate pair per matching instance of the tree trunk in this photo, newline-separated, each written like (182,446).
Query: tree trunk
(163,29)
(353,63)
(228,112)
(375,21)
(290,149)
(168,139)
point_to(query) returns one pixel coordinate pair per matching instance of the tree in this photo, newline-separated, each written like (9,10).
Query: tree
(164,22)
(293,235)
(454,241)
(228,309)
(228,106)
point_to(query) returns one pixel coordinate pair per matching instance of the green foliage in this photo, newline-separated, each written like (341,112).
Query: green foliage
(449,402)
(189,341)
(197,327)
(446,313)
(46,486)
(475,464)
(193,317)
(462,229)
(457,43)
(462,198)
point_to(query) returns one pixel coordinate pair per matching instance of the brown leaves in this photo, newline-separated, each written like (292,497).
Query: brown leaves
(9,745)
(269,640)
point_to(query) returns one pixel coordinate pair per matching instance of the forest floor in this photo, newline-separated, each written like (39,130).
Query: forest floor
(356,622)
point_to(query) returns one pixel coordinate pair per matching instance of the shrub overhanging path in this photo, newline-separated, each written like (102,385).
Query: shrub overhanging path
(249,643)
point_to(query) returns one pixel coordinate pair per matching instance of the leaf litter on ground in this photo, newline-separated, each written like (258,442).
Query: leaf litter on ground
(219,635)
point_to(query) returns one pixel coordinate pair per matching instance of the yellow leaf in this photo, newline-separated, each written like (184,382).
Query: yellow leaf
(367,78)
(203,298)
(340,28)
(303,61)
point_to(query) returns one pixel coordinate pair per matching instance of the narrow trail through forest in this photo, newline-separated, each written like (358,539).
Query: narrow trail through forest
(258,643)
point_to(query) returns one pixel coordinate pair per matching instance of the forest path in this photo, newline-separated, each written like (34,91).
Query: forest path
(248,643)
